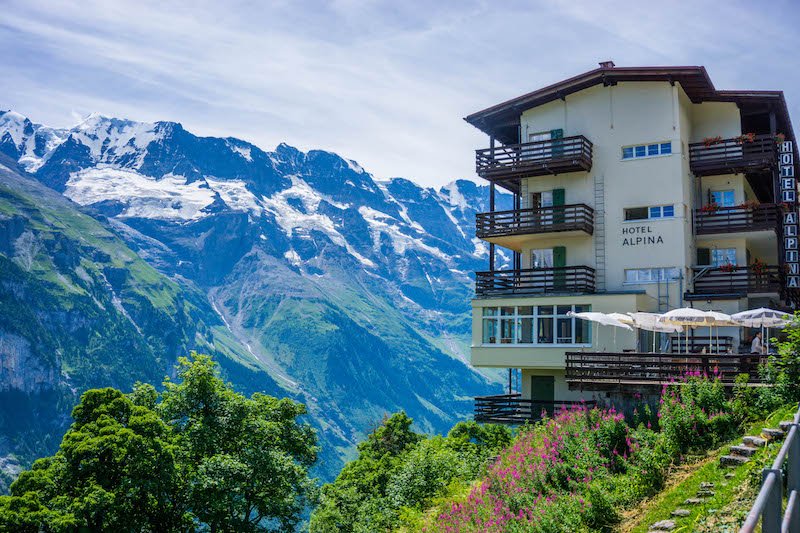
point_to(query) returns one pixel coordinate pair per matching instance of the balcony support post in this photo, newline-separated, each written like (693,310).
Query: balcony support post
(491,209)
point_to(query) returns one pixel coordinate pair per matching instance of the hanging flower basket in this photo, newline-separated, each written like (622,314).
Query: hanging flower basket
(758,267)
(749,205)
(745,138)
(779,138)
(727,267)
(710,208)
(711,141)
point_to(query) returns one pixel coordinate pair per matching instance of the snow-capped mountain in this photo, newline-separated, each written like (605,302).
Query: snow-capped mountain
(353,292)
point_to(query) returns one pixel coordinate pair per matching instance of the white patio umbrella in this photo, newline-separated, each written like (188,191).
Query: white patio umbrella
(689,317)
(649,322)
(601,318)
(762,318)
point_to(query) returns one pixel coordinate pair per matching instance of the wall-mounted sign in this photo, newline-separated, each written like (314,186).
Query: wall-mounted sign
(788,188)
(639,235)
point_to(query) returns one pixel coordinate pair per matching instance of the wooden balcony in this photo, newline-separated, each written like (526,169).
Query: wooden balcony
(571,279)
(721,344)
(736,219)
(736,282)
(538,158)
(514,409)
(615,370)
(733,155)
(577,217)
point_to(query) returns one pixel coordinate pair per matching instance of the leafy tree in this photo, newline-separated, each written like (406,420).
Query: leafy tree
(201,456)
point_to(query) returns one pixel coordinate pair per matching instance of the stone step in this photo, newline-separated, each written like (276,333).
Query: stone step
(733,460)
(693,501)
(663,525)
(705,493)
(706,485)
(773,434)
(744,451)
(757,442)
(784,425)
(681,512)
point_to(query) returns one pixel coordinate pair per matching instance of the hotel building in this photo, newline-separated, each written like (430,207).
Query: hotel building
(635,189)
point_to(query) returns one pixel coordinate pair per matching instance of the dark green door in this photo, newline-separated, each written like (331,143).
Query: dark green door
(542,390)
(559,264)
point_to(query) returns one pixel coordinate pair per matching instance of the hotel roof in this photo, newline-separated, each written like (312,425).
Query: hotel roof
(502,120)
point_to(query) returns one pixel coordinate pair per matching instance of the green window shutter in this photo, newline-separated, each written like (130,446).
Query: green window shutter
(559,198)
(559,262)
(703,256)
(558,146)
(559,256)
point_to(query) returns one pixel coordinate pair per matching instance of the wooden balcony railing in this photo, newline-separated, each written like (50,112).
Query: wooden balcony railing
(605,370)
(736,219)
(578,217)
(575,279)
(732,155)
(740,280)
(514,409)
(538,158)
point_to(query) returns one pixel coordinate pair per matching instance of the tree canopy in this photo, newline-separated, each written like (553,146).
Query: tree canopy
(196,456)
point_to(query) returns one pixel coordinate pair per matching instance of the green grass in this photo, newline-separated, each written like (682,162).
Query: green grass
(733,497)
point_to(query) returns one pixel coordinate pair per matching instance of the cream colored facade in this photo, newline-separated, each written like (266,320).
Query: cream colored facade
(613,117)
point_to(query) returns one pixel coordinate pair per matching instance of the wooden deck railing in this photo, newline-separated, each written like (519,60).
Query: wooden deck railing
(532,221)
(514,409)
(577,279)
(603,370)
(538,158)
(741,280)
(768,507)
(732,155)
(736,219)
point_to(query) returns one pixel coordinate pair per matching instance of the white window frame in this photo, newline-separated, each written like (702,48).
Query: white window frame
(662,275)
(647,155)
(722,192)
(649,217)
(497,317)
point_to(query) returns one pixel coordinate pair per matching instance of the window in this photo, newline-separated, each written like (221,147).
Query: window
(536,325)
(649,213)
(542,258)
(646,150)
(723,198)
(723,256)
(651,275)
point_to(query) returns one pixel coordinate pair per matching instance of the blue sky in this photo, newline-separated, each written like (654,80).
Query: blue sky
(384,83)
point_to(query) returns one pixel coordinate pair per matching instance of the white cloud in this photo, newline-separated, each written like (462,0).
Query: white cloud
(384,83)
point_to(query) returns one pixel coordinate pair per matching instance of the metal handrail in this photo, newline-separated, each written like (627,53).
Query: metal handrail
(769,502)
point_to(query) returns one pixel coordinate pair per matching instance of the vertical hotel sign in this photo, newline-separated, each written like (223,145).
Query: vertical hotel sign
(789,199)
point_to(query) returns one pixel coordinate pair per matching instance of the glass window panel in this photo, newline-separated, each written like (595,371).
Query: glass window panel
(545,309)
(645,274)
(544,330)
(525,330)
(583,332)
(723,198)
(636,213)
(582,309)
(507,330)
(507,311)
(542,258)
(563,309)
(640,151)
(525,310)
(564,331)
(723,256)
(631,275)
(655,212)
(489,311)
(489,331)
(668,211)
(652,149)
(627,152)
(666,148)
